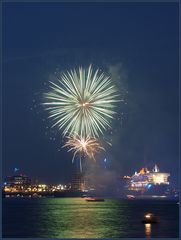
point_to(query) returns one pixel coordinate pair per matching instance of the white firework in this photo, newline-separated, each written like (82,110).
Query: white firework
(83,146)
(81,102)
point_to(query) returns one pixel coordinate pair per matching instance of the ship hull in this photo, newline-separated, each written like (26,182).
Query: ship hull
(158,190)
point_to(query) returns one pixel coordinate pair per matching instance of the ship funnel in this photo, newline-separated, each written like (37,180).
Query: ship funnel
(156,169)
(142,171)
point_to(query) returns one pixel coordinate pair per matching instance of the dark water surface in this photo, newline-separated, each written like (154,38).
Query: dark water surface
(76,218)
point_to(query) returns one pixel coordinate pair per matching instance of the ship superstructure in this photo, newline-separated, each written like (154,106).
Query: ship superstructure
(146,182)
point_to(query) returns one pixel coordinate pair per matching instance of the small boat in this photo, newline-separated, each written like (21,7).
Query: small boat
(92,199)
(130,196)
(149,218)
(84,196)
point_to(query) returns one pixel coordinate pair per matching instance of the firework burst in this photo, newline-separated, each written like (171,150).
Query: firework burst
(83,146)
(81,102)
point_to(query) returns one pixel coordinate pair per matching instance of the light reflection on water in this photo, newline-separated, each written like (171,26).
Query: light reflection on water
(84,219)
(148,230)
(76,218)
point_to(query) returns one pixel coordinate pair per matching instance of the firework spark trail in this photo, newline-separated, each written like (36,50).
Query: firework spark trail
(81,102)
(84,146)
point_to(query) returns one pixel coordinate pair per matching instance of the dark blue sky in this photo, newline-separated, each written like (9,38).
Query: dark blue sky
(137,43)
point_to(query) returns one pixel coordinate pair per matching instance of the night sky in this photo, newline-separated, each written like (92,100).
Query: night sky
(136,43)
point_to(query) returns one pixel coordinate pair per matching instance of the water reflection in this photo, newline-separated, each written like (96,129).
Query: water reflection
(148,230)
(76,218)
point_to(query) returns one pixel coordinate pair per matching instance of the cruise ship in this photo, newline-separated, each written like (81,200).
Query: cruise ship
(147,184)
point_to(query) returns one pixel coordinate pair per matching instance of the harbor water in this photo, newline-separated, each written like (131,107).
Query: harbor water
(76,218)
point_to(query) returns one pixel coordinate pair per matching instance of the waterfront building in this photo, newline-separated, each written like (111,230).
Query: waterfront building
(17,180)
(77,181)
(16,183)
